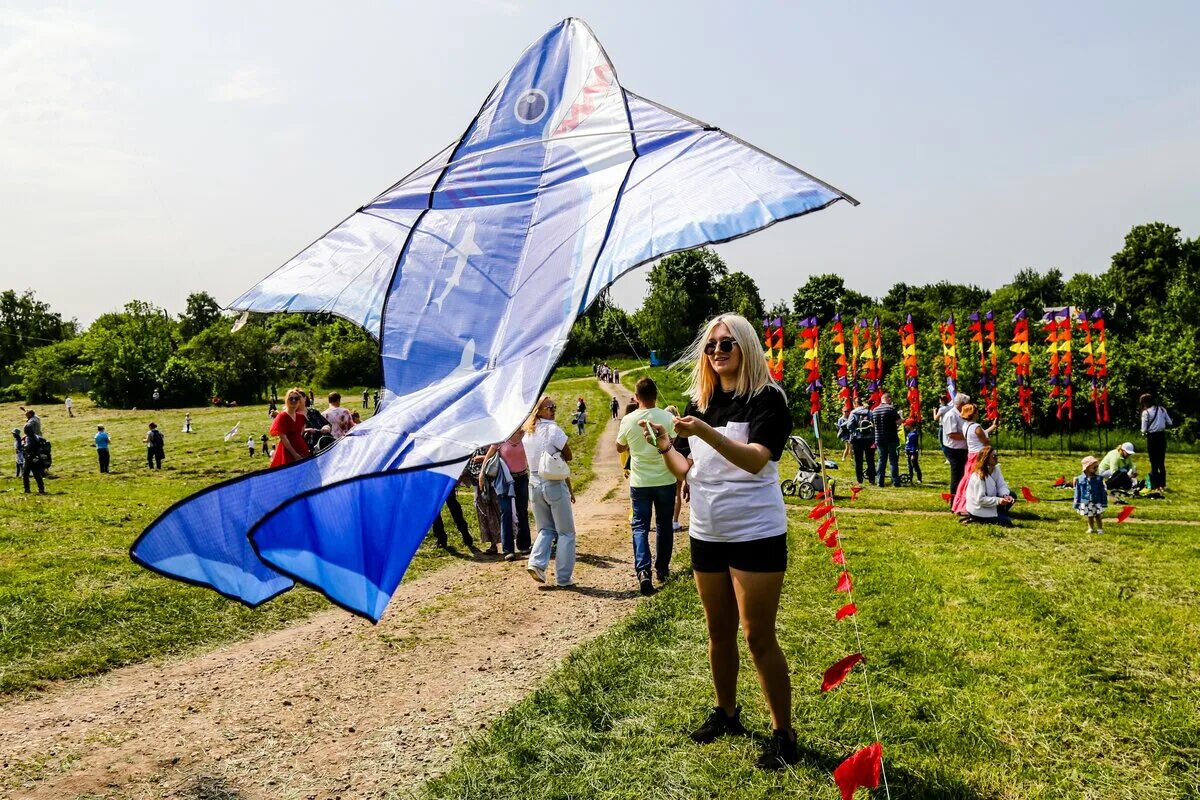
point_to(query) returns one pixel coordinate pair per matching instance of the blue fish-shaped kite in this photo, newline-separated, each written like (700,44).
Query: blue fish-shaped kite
(470,272)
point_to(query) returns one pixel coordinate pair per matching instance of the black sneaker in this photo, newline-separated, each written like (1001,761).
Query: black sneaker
(644,582)
(780,751)
(663,576)
(719,724)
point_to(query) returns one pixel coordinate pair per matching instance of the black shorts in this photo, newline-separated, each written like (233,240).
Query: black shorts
(756,555)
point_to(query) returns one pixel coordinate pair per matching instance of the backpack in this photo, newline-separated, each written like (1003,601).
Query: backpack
(38,452)
(156,438)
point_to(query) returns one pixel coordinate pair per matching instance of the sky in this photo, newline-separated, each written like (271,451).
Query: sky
(149,150)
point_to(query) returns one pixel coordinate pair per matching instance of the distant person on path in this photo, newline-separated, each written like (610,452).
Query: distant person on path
(102,441)
(977,438)
(651,486)
(20,450)
(1118,470)
(187,423)
(155,450)
(954,444)
(862,438)
(340,421)
(886,421)
(728,447)
(288,427)
(1155,421)
(70,406)
(615,406)
(988,496)
(1091,498)
(551,497)
(912,450)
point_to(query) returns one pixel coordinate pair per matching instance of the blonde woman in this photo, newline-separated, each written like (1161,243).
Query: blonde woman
(729,443)
(551,499)
(288,426)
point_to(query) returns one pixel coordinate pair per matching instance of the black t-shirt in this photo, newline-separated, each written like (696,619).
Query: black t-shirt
(766,412)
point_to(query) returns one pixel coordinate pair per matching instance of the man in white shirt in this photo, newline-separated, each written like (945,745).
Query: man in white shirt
(70,405)
(338,418)
(954,443)
(651,485)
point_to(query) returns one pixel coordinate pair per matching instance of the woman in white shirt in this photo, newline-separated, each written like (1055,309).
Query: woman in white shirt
(977,438)
(988,496)
(1155,421)
(728,447)
(551,499)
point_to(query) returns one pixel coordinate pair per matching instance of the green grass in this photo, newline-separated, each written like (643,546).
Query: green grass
(72,604)
(1028,663)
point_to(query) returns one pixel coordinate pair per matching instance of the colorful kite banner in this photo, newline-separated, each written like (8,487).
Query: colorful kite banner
(908,358)
(1100,364)
(773,346)
(845,393)
(1059,344)
(809,335)
(1021,366)
(949,355)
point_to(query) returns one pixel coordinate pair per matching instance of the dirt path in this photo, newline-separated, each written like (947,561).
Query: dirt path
(333,707)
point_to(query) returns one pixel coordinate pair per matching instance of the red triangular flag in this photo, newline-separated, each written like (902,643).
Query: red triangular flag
(1062,481)
(847,610)
(838,556)
(819,511)
(838,672)
(854,490)
(824,527)
(946,496)
(860,770)
(1028,495)
(832,539)
(844,584)
(1125,513)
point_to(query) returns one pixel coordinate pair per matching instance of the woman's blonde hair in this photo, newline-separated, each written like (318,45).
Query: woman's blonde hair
(968,412)
(752,375)
(531,423)
(982,468)
(296,390)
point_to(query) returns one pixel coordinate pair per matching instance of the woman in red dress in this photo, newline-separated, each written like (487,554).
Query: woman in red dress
(289,428)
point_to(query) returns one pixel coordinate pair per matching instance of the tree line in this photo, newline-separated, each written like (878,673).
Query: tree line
(1149,293)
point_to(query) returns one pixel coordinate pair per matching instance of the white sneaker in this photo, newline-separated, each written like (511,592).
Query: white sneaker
(1100,530)
(537,573)
(675,526)
(1091,530)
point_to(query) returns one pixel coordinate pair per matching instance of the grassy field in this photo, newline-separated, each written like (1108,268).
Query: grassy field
(72,604)
(1037,662)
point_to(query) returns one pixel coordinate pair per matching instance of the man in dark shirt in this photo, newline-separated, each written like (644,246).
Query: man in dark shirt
(862,436)
(887,438)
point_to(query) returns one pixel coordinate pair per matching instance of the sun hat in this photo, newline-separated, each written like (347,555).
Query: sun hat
(1088,461)
(1128,447)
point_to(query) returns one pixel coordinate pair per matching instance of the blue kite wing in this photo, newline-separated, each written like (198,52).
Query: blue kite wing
(471,272)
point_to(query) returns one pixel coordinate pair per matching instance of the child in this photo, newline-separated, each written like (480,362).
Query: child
(266,451)
(1091,498)
(912,450)
(20,448)
(250,445)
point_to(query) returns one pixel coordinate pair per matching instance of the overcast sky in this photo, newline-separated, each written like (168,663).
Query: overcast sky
(151,149)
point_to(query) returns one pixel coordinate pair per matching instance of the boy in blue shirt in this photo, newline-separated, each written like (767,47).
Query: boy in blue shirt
(912,450)
(102,447)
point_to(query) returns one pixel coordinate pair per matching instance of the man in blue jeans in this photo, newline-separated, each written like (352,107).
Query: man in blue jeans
(887,438)
(651,485)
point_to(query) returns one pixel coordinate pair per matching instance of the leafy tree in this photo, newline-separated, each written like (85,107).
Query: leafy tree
(202,311)
(823,295)
(45,370)
(738,293)
(26,323)
(682,297)
(232,366)
(126,353)
(1140,271)
(601,331)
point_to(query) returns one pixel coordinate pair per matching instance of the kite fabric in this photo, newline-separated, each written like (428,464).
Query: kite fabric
(470,272)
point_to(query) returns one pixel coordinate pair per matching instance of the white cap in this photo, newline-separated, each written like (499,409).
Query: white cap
(1128,447)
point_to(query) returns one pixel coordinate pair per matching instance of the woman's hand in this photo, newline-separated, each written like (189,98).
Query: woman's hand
(655,434)
(691,426)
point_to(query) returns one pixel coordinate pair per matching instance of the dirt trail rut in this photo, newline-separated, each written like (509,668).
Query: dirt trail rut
(333,707)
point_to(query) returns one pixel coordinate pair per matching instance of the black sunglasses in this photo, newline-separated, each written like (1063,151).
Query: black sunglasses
(549,407)
(725,345)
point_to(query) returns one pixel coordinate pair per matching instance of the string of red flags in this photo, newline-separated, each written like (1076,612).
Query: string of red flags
(1059,345)
(842,364)
(773,345)
(864,768)
(949,355)
(908,358)
(1021,361)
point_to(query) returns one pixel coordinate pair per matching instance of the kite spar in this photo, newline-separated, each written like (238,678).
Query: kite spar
(470,273)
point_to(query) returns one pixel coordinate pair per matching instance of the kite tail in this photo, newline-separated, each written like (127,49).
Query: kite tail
(349,536)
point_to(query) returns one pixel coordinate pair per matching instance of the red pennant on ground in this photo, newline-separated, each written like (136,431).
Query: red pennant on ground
(820,511)
(854,490)
(860,770)
(844,584)
(946,496)
(824,527)
(832,539)
(1126,513)
(1028,495)
(838,672)
(848,610)
(838,556)
(1062,481)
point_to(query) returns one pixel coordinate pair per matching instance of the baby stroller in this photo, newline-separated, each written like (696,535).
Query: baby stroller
(808,481)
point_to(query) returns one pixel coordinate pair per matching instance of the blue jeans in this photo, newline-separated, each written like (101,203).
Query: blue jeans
(555,520)
(662,500)
(888,452)
(517,526)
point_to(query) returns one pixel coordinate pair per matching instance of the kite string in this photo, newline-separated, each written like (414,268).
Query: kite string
(816,424)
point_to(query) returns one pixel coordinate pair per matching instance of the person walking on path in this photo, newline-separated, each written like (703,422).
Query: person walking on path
(1155,421)
(651,486)
(155,451)
(288,426)
(954,444)
(547,449)
(977,438)
(615,406)
(1091,498)
(102,440)
(886,421)
(862,437)
(728,446)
